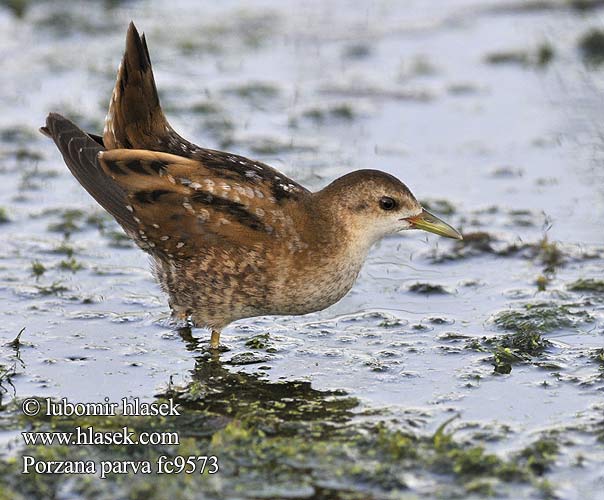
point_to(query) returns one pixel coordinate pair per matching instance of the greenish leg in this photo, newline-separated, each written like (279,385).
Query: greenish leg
(215,339)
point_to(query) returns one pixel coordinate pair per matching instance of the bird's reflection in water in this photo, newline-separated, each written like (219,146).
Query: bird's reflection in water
(219,392)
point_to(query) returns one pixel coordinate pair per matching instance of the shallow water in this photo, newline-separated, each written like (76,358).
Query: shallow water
(511,150)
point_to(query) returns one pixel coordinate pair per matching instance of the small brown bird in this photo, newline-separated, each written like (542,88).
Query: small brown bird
(230,237)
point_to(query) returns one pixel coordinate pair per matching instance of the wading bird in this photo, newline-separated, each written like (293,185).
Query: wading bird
(230,237)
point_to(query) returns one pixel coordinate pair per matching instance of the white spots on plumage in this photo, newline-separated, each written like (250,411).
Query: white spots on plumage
(129,208)
(156,226)
(277,213)
(223,221)
(164,238)
(195,185)
(184,181)
(180,244)
(136,219)
(203,215)
(224,186)
(252,175)
(259,194)
(188,207)
(209,185)
(236,198)
(260,212)
(171,179)
(248,191)
(151,244)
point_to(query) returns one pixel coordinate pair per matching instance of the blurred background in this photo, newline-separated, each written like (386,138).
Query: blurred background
(490,111)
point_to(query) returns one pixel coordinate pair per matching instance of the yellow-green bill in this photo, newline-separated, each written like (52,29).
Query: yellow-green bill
(429,222)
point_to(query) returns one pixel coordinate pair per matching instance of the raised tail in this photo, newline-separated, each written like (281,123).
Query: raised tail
(80,152)
(135,119)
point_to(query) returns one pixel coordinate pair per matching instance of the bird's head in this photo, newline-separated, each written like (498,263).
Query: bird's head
(373,204)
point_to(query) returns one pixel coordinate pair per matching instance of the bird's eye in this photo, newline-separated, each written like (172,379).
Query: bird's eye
(387,203)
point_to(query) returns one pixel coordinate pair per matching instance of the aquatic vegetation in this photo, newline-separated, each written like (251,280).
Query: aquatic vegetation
(541,317)
(255,91)
(542,282)
(37,268)
(539,57)
(341,111)
(4,216)
(32,178)
(509,349)
(64,248)
(545,54)
(597,355)
(261,341)
(591,46)
(55,288)
(428,289)
(363,96)
(357,50)
(528,323)
(71,265)
(549,253)
(439,206)
(271,439)
(589,285)
(118,239)
(540,455)
(71,221)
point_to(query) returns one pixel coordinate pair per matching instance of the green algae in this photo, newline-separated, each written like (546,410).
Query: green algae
(428,289)
(255,92)
(549,254)
(71,265)
(17,7)
(509,349)
(588,285)
(540,456)
(261,341)
(539,57)
(528,324)
(320,115)
(272,440)
(591,46)
(542,317)
(118,239)
(440,206)
(71,221)
(55,288)
(37,268)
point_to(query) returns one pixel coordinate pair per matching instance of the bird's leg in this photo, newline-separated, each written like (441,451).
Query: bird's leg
(215,339)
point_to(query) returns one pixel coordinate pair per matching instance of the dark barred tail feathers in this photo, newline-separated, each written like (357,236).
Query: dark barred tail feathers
(135,119)
(80,152)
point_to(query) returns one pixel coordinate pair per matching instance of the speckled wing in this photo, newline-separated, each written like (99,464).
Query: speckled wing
(183,205)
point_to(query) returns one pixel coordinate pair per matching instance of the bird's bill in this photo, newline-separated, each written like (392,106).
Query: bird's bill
(429,222)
